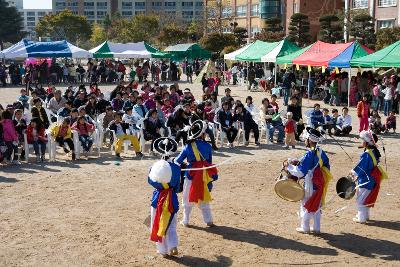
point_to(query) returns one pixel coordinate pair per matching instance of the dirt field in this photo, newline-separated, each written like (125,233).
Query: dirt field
(92,213)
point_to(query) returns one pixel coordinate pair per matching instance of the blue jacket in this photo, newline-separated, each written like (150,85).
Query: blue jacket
(363,170)
(317,117)
(174,184)
(141,110)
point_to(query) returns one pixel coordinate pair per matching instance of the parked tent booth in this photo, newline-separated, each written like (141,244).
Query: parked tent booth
(188,51)
(263,52)
(129,50)
(326,55)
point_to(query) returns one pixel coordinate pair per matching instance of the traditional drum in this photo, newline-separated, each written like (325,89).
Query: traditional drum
(287,185)
(346,188)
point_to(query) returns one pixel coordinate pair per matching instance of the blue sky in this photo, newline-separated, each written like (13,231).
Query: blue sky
(37,4)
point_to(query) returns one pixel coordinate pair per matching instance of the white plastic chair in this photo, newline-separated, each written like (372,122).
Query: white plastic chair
(240,135)
(78,146)
(263,128)
(28,146)
(219,133)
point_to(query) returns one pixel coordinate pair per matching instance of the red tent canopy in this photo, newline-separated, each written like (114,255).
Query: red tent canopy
(320,53)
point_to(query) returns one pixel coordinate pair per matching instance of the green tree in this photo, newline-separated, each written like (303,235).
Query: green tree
(269,36)
(216,42)
(273,24)
(195,31)
(65,25)
(172,34)
(99,34)
(331,29)
(362,28)
(241,35)
(11,29)
(299,29)
(386,37)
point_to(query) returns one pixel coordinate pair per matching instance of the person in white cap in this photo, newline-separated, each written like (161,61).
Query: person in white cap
(369,175)
(314,168)
(198,182)
(165,177)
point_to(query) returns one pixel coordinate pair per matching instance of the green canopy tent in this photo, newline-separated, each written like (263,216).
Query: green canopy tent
(288,59)
(128,50)
(255,51)
(388,57)
(189,51)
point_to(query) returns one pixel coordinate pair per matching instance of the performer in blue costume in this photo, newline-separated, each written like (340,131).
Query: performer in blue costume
(165,177)
(369,175)
(314,167)
(198,182)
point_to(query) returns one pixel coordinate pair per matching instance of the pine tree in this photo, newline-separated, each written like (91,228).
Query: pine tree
(11,22)
(362,28)
(331,31)
(299,29)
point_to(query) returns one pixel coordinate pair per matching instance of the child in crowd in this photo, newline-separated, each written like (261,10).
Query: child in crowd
(375,123)
(290,131)
(120,127)
(131,119)
(343,123)
(273,103)
(328,124)
(24,99)
(108,118)
(363,113)
(39,112)
(84,130)
(316,116)
(391,122)
(63,135)
(37,137)
(10,137)
(152,126)
(20,126)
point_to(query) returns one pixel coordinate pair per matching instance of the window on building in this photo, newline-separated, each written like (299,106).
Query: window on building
(254,31)
(101,5)
(60,4)
(30,19)
(255,10)
(360,3)
(385,3)
(199,13)
(170,12)
(127,5)
(140,12)
(32,14)
(101,13)
(187,14)
(387,23)
(170,4)
(198,4)
(72,4)
(241,11)
(88,5)
(187,4)
(41,13)
(30,24)
(89,14)
(226,12)
(127,13)
(156,4)
(140,5)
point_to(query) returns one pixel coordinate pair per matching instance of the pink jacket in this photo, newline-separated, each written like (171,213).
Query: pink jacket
(9,132)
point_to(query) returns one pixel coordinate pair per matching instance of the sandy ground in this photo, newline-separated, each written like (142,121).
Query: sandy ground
(92,213)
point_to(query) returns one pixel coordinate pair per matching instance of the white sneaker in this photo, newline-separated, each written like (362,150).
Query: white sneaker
(16,162)
(302,231)
(38,159)
(355,219)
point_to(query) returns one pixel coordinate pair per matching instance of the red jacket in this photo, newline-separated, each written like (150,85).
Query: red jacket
(41,135)
(361,106)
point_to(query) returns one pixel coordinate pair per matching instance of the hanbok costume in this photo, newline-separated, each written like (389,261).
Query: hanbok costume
(165,177)
(369,177)
(198,182)
(314,167)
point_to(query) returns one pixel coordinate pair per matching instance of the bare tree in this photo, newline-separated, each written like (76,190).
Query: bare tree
(218,15)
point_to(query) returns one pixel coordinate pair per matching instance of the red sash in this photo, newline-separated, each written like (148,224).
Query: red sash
(314,202)
(165,195)
(197,189)
(373,195)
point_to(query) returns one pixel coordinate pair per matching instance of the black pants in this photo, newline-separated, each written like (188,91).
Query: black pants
(247,129)
(61,141)
(151,136)
(181,134)
(345,131)
(231,133)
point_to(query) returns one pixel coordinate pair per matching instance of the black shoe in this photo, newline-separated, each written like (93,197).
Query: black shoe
(214,147)
(118,155)
(66,150)
(139,155)
(73,156)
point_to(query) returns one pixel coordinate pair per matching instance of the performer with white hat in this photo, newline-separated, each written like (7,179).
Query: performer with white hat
(165,177)
(198,182)
(369,175)
(314,167)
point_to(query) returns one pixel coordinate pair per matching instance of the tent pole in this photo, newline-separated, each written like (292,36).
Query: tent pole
(348,89)
(276,73)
